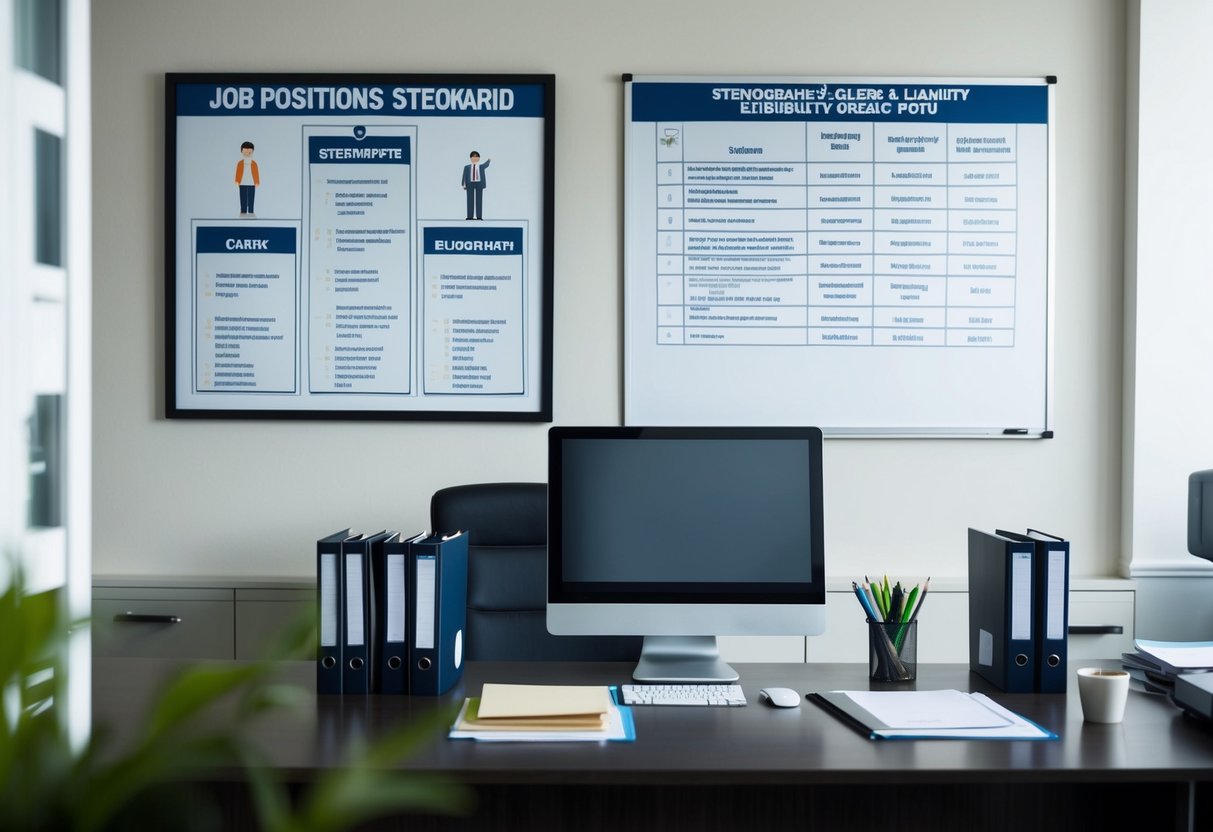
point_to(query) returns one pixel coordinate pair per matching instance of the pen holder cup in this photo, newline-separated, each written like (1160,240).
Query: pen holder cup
(893,651)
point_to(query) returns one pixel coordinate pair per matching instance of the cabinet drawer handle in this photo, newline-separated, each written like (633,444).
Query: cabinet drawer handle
(1096,630)
(140,618)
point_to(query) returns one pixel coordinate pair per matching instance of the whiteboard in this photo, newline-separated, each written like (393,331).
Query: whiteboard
(869,255)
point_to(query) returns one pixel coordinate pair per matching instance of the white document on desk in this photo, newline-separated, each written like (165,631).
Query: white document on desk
(926,709)
(620,727)
(1177,656)
(932,714)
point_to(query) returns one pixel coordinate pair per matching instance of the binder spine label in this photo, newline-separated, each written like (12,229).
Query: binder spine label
(354,634)
(395,598)
(1055,604)
(328,600)
(1021,596)
(426,586)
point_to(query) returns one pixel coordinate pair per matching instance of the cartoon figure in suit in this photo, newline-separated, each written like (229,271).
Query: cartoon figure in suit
(473,183)
(247,179)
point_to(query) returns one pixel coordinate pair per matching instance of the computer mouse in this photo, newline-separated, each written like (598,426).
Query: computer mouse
(780,697)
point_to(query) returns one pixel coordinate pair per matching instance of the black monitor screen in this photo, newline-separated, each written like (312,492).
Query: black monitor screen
(1200,514)
(685,514)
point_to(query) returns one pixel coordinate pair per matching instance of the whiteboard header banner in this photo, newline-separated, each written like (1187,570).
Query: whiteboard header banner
(825,101)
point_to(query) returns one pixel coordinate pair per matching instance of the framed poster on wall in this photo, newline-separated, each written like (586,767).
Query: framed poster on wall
(359,246)
(870,255)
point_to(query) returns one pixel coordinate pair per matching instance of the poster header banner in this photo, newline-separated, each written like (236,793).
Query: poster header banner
(521,101)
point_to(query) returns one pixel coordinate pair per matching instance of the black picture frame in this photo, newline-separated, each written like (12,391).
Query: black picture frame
(505,371)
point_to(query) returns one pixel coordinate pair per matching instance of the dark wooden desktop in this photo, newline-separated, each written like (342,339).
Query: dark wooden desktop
(760,767)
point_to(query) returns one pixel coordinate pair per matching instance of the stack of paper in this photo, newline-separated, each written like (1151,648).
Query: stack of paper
(929,714)
(543,713)
(1156,663)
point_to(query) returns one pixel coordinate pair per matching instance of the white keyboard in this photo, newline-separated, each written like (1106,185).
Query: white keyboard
(695,694)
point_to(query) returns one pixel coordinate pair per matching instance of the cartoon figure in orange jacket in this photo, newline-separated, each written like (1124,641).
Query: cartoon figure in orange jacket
(247,179)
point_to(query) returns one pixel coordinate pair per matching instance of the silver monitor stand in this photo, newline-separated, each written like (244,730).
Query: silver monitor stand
(682,659)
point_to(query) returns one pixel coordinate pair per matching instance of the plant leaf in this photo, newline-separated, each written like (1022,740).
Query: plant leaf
(194,690)
(351,796)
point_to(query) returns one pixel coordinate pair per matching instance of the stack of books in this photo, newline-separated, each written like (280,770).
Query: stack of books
(1155,664)
(544,713)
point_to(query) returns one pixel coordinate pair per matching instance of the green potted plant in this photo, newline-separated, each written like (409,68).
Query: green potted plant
(143,782)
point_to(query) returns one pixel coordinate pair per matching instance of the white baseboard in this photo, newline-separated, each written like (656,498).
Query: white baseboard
(1189,567)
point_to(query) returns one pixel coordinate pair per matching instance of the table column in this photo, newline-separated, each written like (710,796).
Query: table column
(743,234)
(911,266)
(982,234)
(840,222)
(669,233)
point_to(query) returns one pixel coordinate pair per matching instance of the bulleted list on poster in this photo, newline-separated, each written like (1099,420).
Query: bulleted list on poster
(359,216)
(245,306)
(474,310)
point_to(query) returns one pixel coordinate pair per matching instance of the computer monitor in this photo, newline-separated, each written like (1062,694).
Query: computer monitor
(684,534)
(1200,514)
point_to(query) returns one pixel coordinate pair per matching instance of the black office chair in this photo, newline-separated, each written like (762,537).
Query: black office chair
(506,524)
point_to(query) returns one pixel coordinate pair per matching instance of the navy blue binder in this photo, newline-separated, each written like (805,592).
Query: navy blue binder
(1053,610)
(1002,604)
(439,612)
(356,635)
(1051,576)
(389,578)
(328,599)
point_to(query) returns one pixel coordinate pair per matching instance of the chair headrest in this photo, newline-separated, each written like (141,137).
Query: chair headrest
(495,513)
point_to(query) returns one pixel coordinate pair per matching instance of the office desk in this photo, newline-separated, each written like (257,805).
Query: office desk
(760,767)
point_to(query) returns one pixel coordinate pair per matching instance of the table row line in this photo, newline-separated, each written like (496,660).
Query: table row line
(842,263)
(797,219)
(938,243)
(834,291)
(833,337)
(801,174)
(724,315)
(881,141)
(822,200)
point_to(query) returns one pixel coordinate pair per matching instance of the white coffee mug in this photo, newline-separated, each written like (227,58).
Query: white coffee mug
(1102,692)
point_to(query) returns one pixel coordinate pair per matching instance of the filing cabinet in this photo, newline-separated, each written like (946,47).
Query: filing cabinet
(195,618)
(208,618)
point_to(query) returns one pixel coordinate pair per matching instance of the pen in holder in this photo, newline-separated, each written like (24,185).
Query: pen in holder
(893,650)
(892,627)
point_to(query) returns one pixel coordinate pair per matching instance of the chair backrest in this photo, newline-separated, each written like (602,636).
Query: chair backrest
(506,524)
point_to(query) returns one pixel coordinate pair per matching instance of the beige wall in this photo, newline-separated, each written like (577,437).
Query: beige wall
(249,498)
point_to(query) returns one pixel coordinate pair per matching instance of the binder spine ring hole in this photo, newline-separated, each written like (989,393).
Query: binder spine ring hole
(1053,660)
(356,664)
(1021,659)
(424,664)
(394,663)
(329,662)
